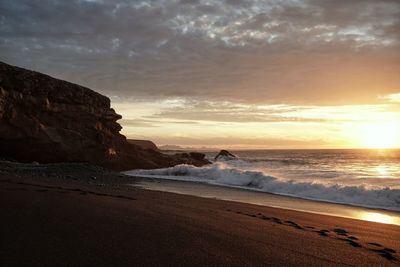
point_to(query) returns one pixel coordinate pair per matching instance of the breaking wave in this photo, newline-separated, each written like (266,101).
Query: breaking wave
(222,174)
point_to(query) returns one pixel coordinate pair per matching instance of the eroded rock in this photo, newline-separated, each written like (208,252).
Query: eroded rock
(225,154)
(48,120)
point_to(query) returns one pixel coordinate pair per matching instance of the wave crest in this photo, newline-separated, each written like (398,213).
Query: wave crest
(220,174)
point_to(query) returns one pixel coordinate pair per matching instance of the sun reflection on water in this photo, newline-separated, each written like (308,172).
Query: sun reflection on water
(378,217)
(382,170)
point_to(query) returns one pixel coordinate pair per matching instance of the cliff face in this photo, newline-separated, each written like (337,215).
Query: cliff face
(145,144)
(49,120)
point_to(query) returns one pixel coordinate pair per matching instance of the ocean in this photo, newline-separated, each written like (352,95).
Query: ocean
(365,178)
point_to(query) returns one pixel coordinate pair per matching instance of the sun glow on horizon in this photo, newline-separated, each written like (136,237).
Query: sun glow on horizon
(230,125)
(380,135)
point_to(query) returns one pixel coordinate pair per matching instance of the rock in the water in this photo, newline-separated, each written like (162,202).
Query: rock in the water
(193,158)
(197,155)
(49,120)
(224,154)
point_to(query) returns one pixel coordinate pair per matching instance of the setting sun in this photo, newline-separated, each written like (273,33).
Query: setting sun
(380,135)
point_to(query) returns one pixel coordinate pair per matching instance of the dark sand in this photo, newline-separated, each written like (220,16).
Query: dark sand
(51,221)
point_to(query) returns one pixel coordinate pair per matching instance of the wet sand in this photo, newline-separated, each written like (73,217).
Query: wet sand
(271,200)
(57,222)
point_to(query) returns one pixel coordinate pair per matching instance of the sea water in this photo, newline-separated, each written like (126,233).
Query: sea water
(366,178)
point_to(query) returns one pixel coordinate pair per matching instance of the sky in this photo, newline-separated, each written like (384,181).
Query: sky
(224,74)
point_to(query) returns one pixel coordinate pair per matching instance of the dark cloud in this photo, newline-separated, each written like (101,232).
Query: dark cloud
(243,51)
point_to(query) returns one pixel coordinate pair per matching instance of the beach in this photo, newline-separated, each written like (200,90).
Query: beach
(244,195)
(66,220)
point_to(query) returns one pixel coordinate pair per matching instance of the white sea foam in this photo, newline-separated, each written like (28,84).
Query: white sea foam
(220,173)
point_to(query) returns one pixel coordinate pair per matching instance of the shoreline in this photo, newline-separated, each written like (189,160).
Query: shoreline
(267,199)
(291,196)
(353,179)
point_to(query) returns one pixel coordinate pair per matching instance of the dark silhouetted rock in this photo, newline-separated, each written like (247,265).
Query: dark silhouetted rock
(197,155)
(47,120)
(145,144)
(224,154)
(193,158)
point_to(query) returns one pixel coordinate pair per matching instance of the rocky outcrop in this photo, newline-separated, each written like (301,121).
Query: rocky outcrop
(48,120)
(145,144)
(193,158)
(225,154)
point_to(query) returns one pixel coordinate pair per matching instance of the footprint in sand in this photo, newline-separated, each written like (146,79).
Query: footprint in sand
(340,231)
(323,232)
(354,244)
(293,224)
(375,244)
(351,242)
(389,250)
(277,220)
(386,253)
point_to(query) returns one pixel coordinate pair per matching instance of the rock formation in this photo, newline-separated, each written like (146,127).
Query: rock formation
(224,154)
(145,144)
(48,120)
(193,158)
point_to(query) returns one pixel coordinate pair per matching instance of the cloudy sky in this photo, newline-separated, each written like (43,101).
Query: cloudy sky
(233,73)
